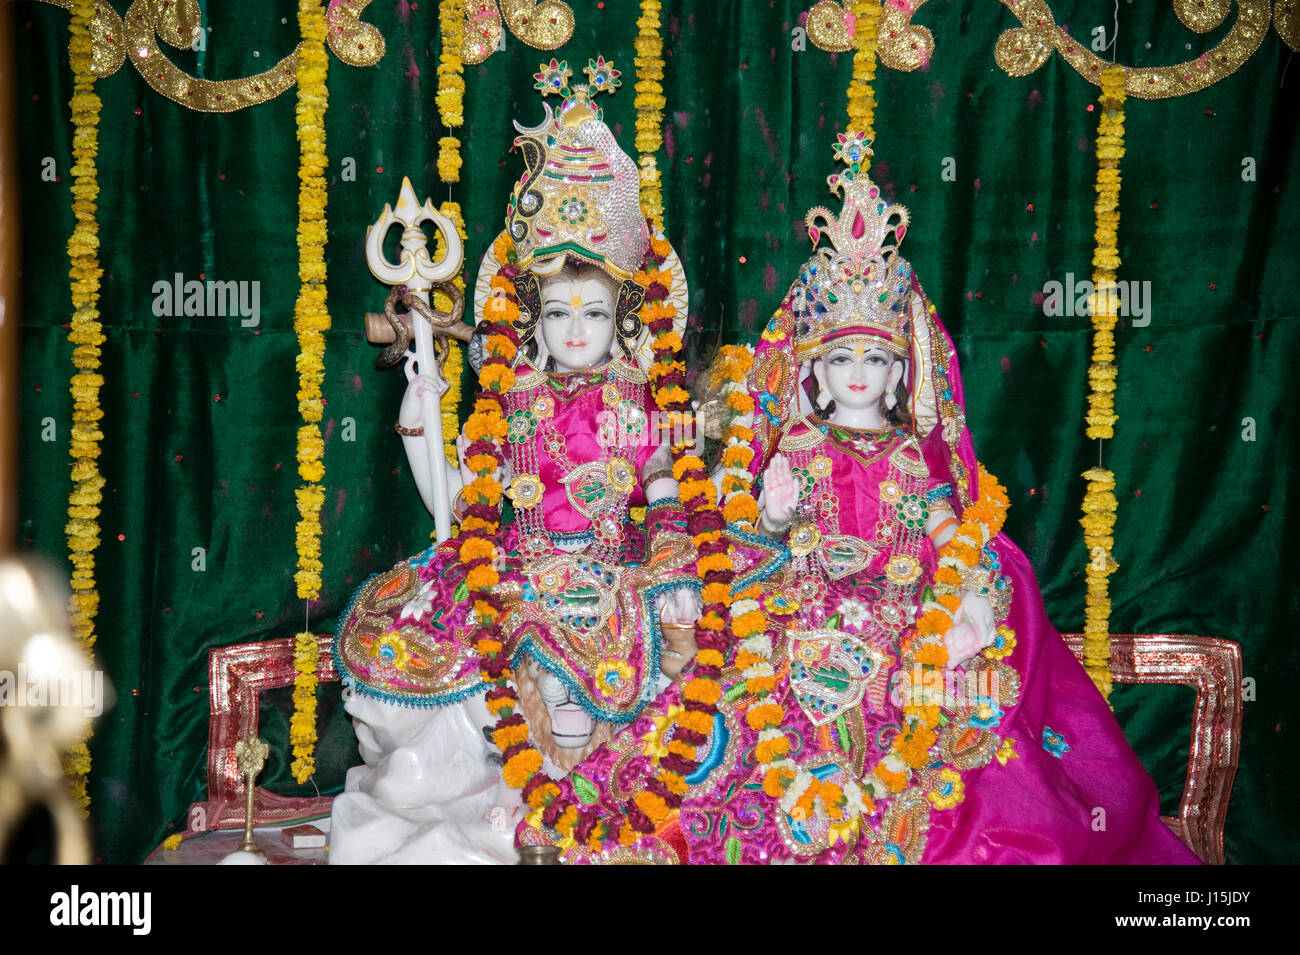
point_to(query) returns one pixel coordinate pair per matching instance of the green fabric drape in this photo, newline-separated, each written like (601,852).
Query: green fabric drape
(200,412)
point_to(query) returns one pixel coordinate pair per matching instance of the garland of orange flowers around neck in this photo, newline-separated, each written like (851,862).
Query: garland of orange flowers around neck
(798,791)
(486,428)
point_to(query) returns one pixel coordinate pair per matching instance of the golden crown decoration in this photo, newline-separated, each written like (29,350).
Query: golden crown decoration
(580,193)
(859,288)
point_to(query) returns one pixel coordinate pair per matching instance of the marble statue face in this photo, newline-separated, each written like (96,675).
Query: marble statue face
(383,728)
(571,725)
(578,319)
(858,376)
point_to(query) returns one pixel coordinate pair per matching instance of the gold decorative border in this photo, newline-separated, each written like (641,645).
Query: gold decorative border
(1021,50)
(144,25)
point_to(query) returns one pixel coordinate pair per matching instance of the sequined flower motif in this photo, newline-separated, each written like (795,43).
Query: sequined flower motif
(949,791)
(774,331)
(602,75)
(903,569)
(804,538)
(553,444)
(549,582)
(782,605)
(610,394)
(554,78)
(890,492)
(521,425)
(632,419)
(889,614)
(573,210)
(526,491)
(1054,742)
(988,713)
(608,529)
(1004,644)
(543,407)
(803,480)
(820,466)
(659,735)
(852,147)
(621,475)
(810,590)
(389,654)
(843,830)
(853,613)
(421,603)
(613,678)
(913,511)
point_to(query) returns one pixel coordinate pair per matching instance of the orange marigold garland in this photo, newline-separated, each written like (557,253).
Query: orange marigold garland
(924,650)
(556,802)
(797,790)
(485,429)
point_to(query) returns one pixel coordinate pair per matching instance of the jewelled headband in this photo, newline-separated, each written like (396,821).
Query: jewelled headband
(858,288)
(580,193)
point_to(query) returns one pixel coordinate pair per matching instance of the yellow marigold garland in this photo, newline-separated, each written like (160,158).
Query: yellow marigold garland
(451,87)
(451,111)
(650,104)
(1099,502)
(86,336)
(311,321)
(454,365)
(862,97)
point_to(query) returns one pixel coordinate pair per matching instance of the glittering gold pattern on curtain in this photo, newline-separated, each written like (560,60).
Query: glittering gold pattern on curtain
(1022,50)
(482,31)
(1286,21)
(901,45)
(177,23)
(827,26)
(543,26)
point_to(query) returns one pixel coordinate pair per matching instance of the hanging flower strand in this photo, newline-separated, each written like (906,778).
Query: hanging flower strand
(86,335)
(1099,501)
(862,97)
(650,104)
(311,321)
(451,112)
(451,89)
(454,365)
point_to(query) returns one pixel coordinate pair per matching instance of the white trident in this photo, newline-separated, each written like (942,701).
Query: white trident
(413,277)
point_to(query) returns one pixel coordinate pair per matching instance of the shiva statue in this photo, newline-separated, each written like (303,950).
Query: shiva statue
(594,609)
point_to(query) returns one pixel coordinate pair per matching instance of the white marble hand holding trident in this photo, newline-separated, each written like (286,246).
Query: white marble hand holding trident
(414,335)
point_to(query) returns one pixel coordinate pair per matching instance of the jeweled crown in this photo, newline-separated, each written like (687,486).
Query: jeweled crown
(580,193)
(858,287)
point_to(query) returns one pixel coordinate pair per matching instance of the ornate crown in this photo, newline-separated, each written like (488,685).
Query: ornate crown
(858,288)
(580,193)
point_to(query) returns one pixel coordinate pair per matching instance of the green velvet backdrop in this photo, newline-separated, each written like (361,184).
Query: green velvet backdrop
(200,413)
